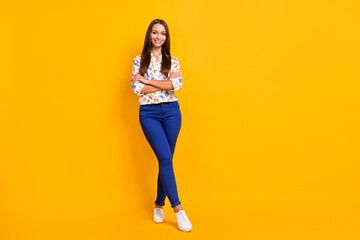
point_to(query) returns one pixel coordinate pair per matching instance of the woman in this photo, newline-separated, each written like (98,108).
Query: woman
(156,76)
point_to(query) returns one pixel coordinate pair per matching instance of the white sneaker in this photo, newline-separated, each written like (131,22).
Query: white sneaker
(159,215)
(183,221)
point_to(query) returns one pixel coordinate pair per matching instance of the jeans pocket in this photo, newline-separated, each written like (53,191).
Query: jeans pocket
(142,108)
(175,104)
(142,114)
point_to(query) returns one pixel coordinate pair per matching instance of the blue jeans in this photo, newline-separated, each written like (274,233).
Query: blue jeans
(161,125)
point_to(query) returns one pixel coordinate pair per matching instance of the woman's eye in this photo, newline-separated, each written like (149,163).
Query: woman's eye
(162,33)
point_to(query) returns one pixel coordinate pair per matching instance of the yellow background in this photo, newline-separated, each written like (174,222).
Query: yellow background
(269,143)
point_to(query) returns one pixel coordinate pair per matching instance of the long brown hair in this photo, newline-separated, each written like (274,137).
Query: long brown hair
(165,50)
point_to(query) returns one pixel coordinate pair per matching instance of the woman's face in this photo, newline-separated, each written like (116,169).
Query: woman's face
(158,35)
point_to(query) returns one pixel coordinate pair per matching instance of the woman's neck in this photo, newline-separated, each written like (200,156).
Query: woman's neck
(156,51)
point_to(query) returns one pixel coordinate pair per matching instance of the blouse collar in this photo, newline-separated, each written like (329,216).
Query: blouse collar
(153,55)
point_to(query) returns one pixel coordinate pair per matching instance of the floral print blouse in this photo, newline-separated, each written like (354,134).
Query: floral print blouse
(154,73)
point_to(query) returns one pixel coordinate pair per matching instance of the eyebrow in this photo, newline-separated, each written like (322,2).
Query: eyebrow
(162,31)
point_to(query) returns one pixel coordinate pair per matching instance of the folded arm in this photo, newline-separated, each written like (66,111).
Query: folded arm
(165,84)
(149,88)
(141,85)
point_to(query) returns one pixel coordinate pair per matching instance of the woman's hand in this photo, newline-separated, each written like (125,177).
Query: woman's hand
(175,74)
(140,78)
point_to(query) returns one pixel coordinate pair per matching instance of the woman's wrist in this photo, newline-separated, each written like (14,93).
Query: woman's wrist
(145,81)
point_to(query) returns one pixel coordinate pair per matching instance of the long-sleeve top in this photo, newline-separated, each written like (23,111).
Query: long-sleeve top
(154,73)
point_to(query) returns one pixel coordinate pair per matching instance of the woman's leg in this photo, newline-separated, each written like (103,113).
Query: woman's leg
(161,192)
(172,126)
(154,132)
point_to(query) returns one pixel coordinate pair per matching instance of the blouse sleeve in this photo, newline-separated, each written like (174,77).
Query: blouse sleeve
(137,85)
(176,82)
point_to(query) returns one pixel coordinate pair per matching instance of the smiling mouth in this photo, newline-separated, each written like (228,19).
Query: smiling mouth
(158,41)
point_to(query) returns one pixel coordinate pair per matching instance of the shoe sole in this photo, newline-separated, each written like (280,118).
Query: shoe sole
(158,222)
(185,230)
